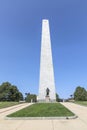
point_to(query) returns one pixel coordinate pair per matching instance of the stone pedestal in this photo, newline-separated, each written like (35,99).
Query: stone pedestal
(47,99)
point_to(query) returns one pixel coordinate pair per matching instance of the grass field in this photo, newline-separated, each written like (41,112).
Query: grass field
(7,104)
(43,110)
(84,103)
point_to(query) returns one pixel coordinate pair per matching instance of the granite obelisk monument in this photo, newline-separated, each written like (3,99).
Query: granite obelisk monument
(46,82)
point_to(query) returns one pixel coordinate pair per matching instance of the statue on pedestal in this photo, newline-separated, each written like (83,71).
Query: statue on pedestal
(47,92)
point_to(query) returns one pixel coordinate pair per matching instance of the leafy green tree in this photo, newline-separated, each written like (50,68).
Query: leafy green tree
(80,94)
(9,92)
(57,97)
(31,98)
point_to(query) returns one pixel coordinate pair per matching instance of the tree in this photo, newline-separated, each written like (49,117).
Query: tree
(4,90)
(57,97)
(9,92)
(80,94)
(31,98)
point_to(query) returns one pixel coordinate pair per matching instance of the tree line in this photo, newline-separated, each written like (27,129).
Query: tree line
(80,94)
(9,92)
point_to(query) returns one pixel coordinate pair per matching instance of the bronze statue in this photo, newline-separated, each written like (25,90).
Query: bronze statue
(47,92)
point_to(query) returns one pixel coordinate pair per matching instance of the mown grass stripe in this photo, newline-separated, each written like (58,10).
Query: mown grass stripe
(43,110)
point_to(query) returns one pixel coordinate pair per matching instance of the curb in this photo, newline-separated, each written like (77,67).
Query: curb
(41,118)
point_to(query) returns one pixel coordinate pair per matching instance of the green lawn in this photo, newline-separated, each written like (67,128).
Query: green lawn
(84,103)
(43,110)
(7,104)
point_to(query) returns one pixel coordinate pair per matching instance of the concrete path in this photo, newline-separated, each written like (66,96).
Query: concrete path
(15,107)
(75,124)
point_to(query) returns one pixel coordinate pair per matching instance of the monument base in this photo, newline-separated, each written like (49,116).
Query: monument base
(44,101)
(47,99)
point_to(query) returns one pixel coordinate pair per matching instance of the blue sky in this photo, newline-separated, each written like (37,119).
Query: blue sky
(20,42)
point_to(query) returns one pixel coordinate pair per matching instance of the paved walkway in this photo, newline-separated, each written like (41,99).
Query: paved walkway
(74,124)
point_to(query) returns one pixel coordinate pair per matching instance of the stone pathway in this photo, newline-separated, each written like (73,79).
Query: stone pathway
(74,124)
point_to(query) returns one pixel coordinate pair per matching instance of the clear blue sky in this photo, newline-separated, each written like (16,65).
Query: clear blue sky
(20,42)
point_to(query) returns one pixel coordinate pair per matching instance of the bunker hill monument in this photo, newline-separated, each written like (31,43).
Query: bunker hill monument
(46,82)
